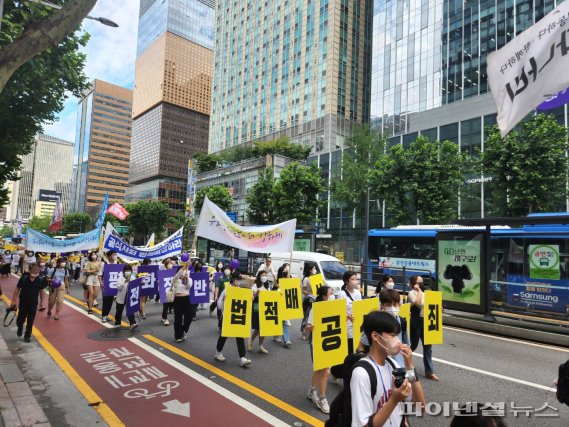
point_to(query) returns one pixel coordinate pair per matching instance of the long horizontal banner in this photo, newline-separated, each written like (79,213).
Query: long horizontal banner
(215,225)
(169,247)
(39,242)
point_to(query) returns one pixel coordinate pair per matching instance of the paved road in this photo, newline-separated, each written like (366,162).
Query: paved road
(472,367)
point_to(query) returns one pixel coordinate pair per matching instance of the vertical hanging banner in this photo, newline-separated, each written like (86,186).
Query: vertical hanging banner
(237,312)
(132,300)
(405,313)
(270,314)
(199,292)
(433,324)
(316,281)
(111,273)
(360,309)
(330,334)
(292,299)
(149,276)
(165,283)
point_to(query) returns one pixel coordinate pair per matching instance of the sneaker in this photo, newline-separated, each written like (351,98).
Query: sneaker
(194,319)
(27,339)
(219,357)
(89,311)
(117,326)
(185,337)
(279,340)
(96,303)
(179,340)
(323,405)
(143,316)
(311,394)
(263,350)
(133,326)
(288,344)
(56,317)
(20,331)
(334,380)
(211,314)
(165,322)
(244,362)
(249,345)
(104,319)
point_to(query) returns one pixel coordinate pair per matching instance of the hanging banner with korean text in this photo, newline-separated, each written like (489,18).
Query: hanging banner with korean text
(292,299)
(270,315)
(199,292)
(237,312)
(215,225)
(361,308)
(132,299)
(530,67)
(405,313)
(149,276)
(330,334)
(165,278)
(39,242)
(111,274)
(316,281)
(433,322)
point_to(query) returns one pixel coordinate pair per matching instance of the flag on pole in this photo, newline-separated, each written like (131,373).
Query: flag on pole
(103,212)
(530,68)
(19,223)
(150,241)
(117,210)
(56,222)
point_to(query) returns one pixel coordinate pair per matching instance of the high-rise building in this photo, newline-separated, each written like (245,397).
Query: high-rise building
(102,146)
(171,101)
(48,168)
(295,68)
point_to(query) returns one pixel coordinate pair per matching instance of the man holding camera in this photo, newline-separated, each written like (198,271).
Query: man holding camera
(27,294)
(393,385)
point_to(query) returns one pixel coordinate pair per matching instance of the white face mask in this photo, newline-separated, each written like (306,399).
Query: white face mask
(394,311)
(127,274)
(285,270)
(331,297)
(219,265)
(263,279)
(63,264)
(389,285)
(314,271)
(393,345)
(227,272)
(114,257)
(42,265)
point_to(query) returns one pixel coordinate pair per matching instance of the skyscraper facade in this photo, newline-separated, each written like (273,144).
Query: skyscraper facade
(102,146)
(171,97)
(296,68)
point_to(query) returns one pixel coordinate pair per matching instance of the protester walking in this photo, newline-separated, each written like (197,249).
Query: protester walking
(92,279)
(167,264)
(181,284)
(213,305)
(26,297)
(122,290)
(112,258)
(29,259)
(283,273)
(261,284)
(58,286)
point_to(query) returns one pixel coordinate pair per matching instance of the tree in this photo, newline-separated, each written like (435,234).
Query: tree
(528,168)
(217,194)
(295,194)
(6,230)
(39,223)
(283,147)
(421,182)
(363,150)
(260,209)
(205,162)
(40,65)
(76,223)
(147,217)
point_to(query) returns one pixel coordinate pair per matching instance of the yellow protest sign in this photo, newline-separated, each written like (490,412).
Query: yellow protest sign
(405,313)
(433,324)
(316,281)
(361,308)
(330,334)
(270,314)
(292,307)
(237,312)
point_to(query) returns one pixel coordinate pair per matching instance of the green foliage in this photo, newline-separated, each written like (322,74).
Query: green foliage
(76,222)
(6,230)
(205,162)
(421,182)
(236,154)
(283,147)
(39,223)
(260,210)
(217,194)
(528,168)
(363,149)
(147,217)
(295,194)
(112,219)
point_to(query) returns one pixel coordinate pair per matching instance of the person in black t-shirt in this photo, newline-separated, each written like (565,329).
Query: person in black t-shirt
(27,293)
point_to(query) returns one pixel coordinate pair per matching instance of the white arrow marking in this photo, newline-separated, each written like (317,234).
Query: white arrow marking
(177,408)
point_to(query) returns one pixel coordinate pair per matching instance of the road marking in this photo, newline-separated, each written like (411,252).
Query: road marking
(523,342)
(177,408)
(491,374)
(239,382)
(88,393)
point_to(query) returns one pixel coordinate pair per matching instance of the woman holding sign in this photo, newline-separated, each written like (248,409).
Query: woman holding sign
(181,283)
(261,284)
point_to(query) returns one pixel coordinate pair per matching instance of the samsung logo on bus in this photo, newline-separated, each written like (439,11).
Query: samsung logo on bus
(540,297)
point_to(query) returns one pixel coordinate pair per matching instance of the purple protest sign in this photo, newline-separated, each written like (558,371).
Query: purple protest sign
(165,282)
(557,100)
(132,300)
(111,274)
(199,292)
(149,284)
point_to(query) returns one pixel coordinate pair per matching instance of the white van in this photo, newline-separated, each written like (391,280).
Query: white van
(301,263)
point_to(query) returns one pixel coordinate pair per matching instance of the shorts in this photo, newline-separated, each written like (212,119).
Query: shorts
(93,280)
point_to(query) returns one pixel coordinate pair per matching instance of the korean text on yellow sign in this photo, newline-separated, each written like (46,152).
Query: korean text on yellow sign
(405,313)
(237,312)
(433,327)
(330,334)
(292,306)
(270,321)
(360,309)
(316,281)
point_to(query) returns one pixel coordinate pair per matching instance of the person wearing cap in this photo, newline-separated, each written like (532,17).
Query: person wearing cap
(26,297)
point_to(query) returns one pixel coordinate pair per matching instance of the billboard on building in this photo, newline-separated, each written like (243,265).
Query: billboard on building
(49,196)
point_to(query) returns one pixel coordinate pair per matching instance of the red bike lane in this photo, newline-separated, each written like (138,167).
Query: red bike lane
(136,385)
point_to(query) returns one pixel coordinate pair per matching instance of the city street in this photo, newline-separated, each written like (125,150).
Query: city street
(472,367)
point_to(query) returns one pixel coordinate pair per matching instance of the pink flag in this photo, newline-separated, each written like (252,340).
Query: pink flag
(56,222)
(117,210)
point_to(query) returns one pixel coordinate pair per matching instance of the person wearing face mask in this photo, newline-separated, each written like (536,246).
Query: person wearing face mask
(29,259)
(167,307)
(183,314)
(122,290)
(283,273)
(268,268)
(390,302)
(213,305)
(416,297)
(307,296)
(144,298)
(57,294)
(261,284)
(350,292)
(93,284)
(27,294)
(112,258)
(220,285)
(387,282)
(45,271)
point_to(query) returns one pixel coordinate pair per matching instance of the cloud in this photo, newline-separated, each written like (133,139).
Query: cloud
(111,54)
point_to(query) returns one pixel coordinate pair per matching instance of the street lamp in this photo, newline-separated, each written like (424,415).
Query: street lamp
(103,21)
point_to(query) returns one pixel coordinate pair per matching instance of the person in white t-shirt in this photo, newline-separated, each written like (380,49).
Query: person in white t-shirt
(383,409)
(350,292)
(268,268)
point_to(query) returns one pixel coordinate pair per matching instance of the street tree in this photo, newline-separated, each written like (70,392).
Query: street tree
(6,230)
(295,194)
(204,162)
(260,201)
(76,222)
(528,168)
(147,217)
(39,223)
(217,194)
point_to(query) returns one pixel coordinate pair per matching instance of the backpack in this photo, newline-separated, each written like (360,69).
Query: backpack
(341,406)
(563,383)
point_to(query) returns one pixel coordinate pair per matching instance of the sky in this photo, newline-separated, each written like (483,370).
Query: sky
(111,53)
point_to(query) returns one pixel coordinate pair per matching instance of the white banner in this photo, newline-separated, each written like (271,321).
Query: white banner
(39,242)
(530,68)
(215,225)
